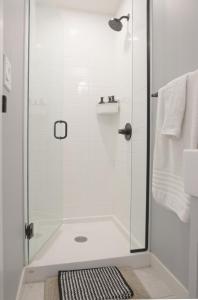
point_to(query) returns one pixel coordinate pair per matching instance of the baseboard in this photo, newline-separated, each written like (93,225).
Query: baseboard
(165,274)
(20,287)
(36,274)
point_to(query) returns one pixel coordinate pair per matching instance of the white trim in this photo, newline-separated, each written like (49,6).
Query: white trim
(20,287)
(25,128)
(37,274)
(1,160)
(172,282)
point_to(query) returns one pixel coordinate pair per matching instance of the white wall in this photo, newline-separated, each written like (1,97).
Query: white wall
(76,85)
(1,195)
(89,153)
(96,170)
(89,150)
(131,88)
(175,48)
(13,215)
(124,92)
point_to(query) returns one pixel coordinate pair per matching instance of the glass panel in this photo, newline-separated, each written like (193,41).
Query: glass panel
(139,141)
(124,91)
(45,96)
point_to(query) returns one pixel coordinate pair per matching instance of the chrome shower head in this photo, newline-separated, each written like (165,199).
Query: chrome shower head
(116,24)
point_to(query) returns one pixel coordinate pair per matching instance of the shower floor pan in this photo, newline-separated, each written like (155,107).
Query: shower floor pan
(90,240)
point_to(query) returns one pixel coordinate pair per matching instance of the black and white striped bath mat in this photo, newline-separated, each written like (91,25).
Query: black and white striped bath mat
(93,284)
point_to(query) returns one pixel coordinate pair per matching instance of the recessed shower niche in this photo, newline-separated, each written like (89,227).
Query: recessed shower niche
(85,178)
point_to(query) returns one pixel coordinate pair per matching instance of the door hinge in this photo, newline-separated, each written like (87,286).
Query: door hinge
(4,104)
(29,231)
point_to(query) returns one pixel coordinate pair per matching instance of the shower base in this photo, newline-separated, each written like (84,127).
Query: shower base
(100,238)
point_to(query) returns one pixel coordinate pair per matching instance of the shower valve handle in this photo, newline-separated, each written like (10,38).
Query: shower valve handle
(127,131)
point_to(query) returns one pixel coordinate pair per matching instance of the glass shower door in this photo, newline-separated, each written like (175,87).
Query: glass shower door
(140,140)
(101,169)
(46,130)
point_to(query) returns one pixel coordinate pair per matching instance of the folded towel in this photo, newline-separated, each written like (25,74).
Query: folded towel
(174,97)
(168,184)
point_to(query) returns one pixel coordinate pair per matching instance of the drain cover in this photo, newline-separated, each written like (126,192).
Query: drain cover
(81,239)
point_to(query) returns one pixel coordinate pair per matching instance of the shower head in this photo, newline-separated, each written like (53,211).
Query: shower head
(116,24)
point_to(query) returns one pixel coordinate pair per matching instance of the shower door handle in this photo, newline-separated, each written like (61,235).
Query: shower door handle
(127,131)
(65,127)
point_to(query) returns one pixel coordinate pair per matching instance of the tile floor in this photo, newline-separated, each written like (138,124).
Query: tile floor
(105,240)
(156,288)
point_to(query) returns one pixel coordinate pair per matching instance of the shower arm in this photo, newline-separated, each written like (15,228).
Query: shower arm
(125,17)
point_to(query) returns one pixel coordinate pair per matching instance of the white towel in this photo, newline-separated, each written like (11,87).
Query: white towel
(174,97)
(168,184)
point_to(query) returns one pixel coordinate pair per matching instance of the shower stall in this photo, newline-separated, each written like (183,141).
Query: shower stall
(87,130)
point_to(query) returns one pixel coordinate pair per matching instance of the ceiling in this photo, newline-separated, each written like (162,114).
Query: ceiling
(94,6)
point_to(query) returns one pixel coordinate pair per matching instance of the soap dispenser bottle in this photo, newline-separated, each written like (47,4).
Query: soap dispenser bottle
(101,100)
